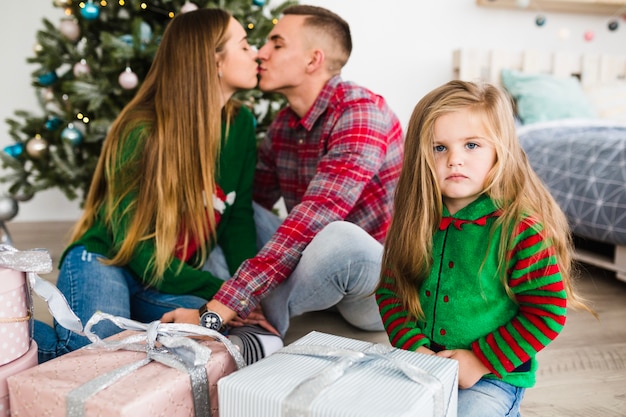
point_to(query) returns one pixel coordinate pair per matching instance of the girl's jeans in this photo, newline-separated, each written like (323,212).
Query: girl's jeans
(340,267)
(490,398)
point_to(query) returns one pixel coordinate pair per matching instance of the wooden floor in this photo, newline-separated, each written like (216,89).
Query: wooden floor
(581,374)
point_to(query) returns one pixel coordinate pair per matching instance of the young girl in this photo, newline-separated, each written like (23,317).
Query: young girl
(477,261)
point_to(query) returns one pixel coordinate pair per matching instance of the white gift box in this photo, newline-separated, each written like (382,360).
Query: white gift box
(322,375)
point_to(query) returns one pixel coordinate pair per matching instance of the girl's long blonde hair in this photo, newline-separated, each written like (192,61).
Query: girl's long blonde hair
(512,184)
(167,190)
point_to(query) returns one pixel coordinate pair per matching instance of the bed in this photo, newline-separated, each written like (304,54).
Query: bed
(572,125)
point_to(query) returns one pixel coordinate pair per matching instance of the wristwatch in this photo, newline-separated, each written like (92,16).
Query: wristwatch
(210,319)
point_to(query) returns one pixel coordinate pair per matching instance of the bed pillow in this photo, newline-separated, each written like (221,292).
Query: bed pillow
(609,100)
(544,97)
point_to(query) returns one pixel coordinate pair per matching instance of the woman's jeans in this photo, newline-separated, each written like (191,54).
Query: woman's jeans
(340,267)
(490,398)
(90,286)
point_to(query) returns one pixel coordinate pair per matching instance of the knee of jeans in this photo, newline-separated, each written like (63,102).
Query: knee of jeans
(350,240)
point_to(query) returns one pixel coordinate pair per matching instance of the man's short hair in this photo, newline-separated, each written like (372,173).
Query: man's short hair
(330,23)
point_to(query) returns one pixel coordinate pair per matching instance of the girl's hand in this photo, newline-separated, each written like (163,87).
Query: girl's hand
(471,369)
(255,317)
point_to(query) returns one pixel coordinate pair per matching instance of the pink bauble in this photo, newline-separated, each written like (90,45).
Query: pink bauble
(128,79)
(69,28)
(589,35)
(188,7)
(81,68)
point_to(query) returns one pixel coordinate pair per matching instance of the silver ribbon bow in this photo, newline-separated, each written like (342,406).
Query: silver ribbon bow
(36,261)
(298,402)
(177,351)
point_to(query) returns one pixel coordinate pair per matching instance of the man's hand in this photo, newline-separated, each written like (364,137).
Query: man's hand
(255,317)
(471,369)
(182,315)
(192,316)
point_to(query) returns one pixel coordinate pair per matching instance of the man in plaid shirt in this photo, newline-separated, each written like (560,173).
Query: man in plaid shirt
(334,155)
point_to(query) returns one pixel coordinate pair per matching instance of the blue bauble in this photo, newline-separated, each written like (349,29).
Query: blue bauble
(53,123)
(540,20)
(91,11)
(258,2)
(14,150)
(127,39)
(613,25)
(72,135)
(48,78)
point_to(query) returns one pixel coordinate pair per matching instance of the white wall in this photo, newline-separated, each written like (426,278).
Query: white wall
(402,49)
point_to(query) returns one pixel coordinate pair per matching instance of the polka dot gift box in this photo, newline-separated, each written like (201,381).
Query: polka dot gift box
(15,323)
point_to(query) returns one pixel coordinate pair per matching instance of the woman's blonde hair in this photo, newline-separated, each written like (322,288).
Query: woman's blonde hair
(166,188)
(512,184)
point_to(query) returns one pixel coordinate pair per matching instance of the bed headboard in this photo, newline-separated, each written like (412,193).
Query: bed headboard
(486,65)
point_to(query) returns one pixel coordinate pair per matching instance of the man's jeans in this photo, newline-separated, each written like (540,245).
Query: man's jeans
(340,267)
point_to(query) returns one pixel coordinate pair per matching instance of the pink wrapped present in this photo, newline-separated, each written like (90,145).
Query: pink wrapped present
(15,323)
(18,275)
(24,362)
(154,377)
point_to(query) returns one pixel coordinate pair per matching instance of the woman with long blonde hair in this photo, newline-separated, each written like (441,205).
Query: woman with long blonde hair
(173,184)
(477,262)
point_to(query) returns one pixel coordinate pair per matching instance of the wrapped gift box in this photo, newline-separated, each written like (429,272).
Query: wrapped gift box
(325,375)
(151,390)
(15,323)
(24,362)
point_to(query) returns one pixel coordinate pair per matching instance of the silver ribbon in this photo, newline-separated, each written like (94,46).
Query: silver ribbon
(177,351)
(298,402)
(36,261)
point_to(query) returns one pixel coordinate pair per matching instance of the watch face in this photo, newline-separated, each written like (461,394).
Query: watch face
(211,321)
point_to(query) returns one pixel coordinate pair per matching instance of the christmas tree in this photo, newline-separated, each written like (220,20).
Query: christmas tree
(89,66)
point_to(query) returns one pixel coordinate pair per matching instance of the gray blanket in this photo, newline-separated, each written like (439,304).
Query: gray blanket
(583,163)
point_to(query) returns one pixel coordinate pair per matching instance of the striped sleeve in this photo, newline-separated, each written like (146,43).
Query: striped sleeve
(403,332)
(536,282)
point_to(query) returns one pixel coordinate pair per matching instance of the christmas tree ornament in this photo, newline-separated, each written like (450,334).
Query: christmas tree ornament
(540,20)
(8,208)
(23,195)
(564,33)
(72,135)
(145,33)
(14,150)
(128,79)
(613,25)
(36,147)
(47,94)
(127,39)
(47,78)
(81,68)
(53,123)
(70,29)
(589,35)
(188,7)
(37,48)
(91,11)
(258,2)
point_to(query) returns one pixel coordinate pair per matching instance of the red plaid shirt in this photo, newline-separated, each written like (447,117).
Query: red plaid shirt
(341,161)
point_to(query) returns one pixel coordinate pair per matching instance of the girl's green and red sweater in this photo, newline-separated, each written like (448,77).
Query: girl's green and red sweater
(466,305)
